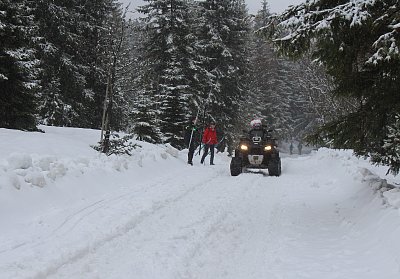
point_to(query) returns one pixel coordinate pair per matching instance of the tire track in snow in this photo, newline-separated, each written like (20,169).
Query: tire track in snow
(73,219)
(69,222)
(165,231)
(121,230)
(246,237)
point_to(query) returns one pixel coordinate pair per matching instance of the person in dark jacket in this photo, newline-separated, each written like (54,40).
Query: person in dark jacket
(209,140)
(192,139)
(299,147)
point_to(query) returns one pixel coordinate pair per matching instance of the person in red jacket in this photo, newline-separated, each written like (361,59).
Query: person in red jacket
(209,140)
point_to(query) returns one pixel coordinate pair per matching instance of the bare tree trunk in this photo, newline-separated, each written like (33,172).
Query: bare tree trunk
(103,121)
(111,78)
(108,113)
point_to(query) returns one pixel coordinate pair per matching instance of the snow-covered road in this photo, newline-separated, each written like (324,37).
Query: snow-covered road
(320,219)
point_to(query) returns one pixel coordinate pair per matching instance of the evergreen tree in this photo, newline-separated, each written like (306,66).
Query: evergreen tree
(223,37)
(143,109)
(128,74)
(274,92)
(318,104)
(358,42)
(391,147)
(74,59)
(106,52)
(143,126)
(291,96)
(63,78)
(18,66)
(170,57)
(262,66)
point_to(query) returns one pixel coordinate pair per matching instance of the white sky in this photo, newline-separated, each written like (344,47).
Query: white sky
(253,5)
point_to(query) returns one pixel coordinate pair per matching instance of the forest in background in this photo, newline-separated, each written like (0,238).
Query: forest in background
(81,63)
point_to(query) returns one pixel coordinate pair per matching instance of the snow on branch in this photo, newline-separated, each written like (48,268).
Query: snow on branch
(3,77)
(316,20)
(311,17)
(386,46)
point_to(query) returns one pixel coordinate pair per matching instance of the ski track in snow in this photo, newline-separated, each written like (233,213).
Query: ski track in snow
(199,222)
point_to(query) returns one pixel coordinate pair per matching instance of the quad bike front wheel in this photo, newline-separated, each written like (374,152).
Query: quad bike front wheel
(274,167)
(236,166)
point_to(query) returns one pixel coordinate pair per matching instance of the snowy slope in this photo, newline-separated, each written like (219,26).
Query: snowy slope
(69,212)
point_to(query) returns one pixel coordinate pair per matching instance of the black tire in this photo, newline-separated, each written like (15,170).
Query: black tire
(274,167)
(236,166)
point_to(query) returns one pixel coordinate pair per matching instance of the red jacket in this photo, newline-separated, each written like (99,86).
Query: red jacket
(210,136)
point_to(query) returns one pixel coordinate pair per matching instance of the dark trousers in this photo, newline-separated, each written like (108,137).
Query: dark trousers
(192,148)
(206,148)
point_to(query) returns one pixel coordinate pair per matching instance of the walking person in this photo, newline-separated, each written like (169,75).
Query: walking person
(291,148)
(209,140)
(192,138)
(299,147)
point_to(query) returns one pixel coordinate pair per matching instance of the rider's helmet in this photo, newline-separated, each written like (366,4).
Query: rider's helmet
(256,123)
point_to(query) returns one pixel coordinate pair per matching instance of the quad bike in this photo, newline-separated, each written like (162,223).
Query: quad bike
(256,151)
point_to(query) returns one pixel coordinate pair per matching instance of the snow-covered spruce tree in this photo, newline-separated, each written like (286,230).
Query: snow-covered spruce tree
(143,105)
(128,73)
(18,66)
(110,47)
(300,89)
(274,92)
(284,98)
(143,126)
(141,114)
(63,78)
(391,147)
(223,37)
(169,56)
(122,93)
(262,65)
(358,42)
(319,105)
(74,60)
(200,82)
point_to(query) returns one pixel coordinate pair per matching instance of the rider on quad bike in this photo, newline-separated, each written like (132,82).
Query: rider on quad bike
(258,150)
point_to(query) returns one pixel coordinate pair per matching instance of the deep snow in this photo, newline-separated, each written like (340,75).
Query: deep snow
(68,212)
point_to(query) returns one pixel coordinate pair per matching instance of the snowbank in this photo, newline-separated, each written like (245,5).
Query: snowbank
(49,171)
(388,186)
(40,159)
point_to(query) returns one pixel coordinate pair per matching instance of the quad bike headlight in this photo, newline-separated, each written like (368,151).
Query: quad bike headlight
(267,147)
(244,147)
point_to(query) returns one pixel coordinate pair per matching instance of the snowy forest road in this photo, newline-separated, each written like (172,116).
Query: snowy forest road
(199,222)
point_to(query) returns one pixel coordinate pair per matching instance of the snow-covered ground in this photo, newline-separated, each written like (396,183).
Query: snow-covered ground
(68,212)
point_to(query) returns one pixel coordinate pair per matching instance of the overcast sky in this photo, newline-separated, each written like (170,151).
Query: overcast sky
(253,5)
